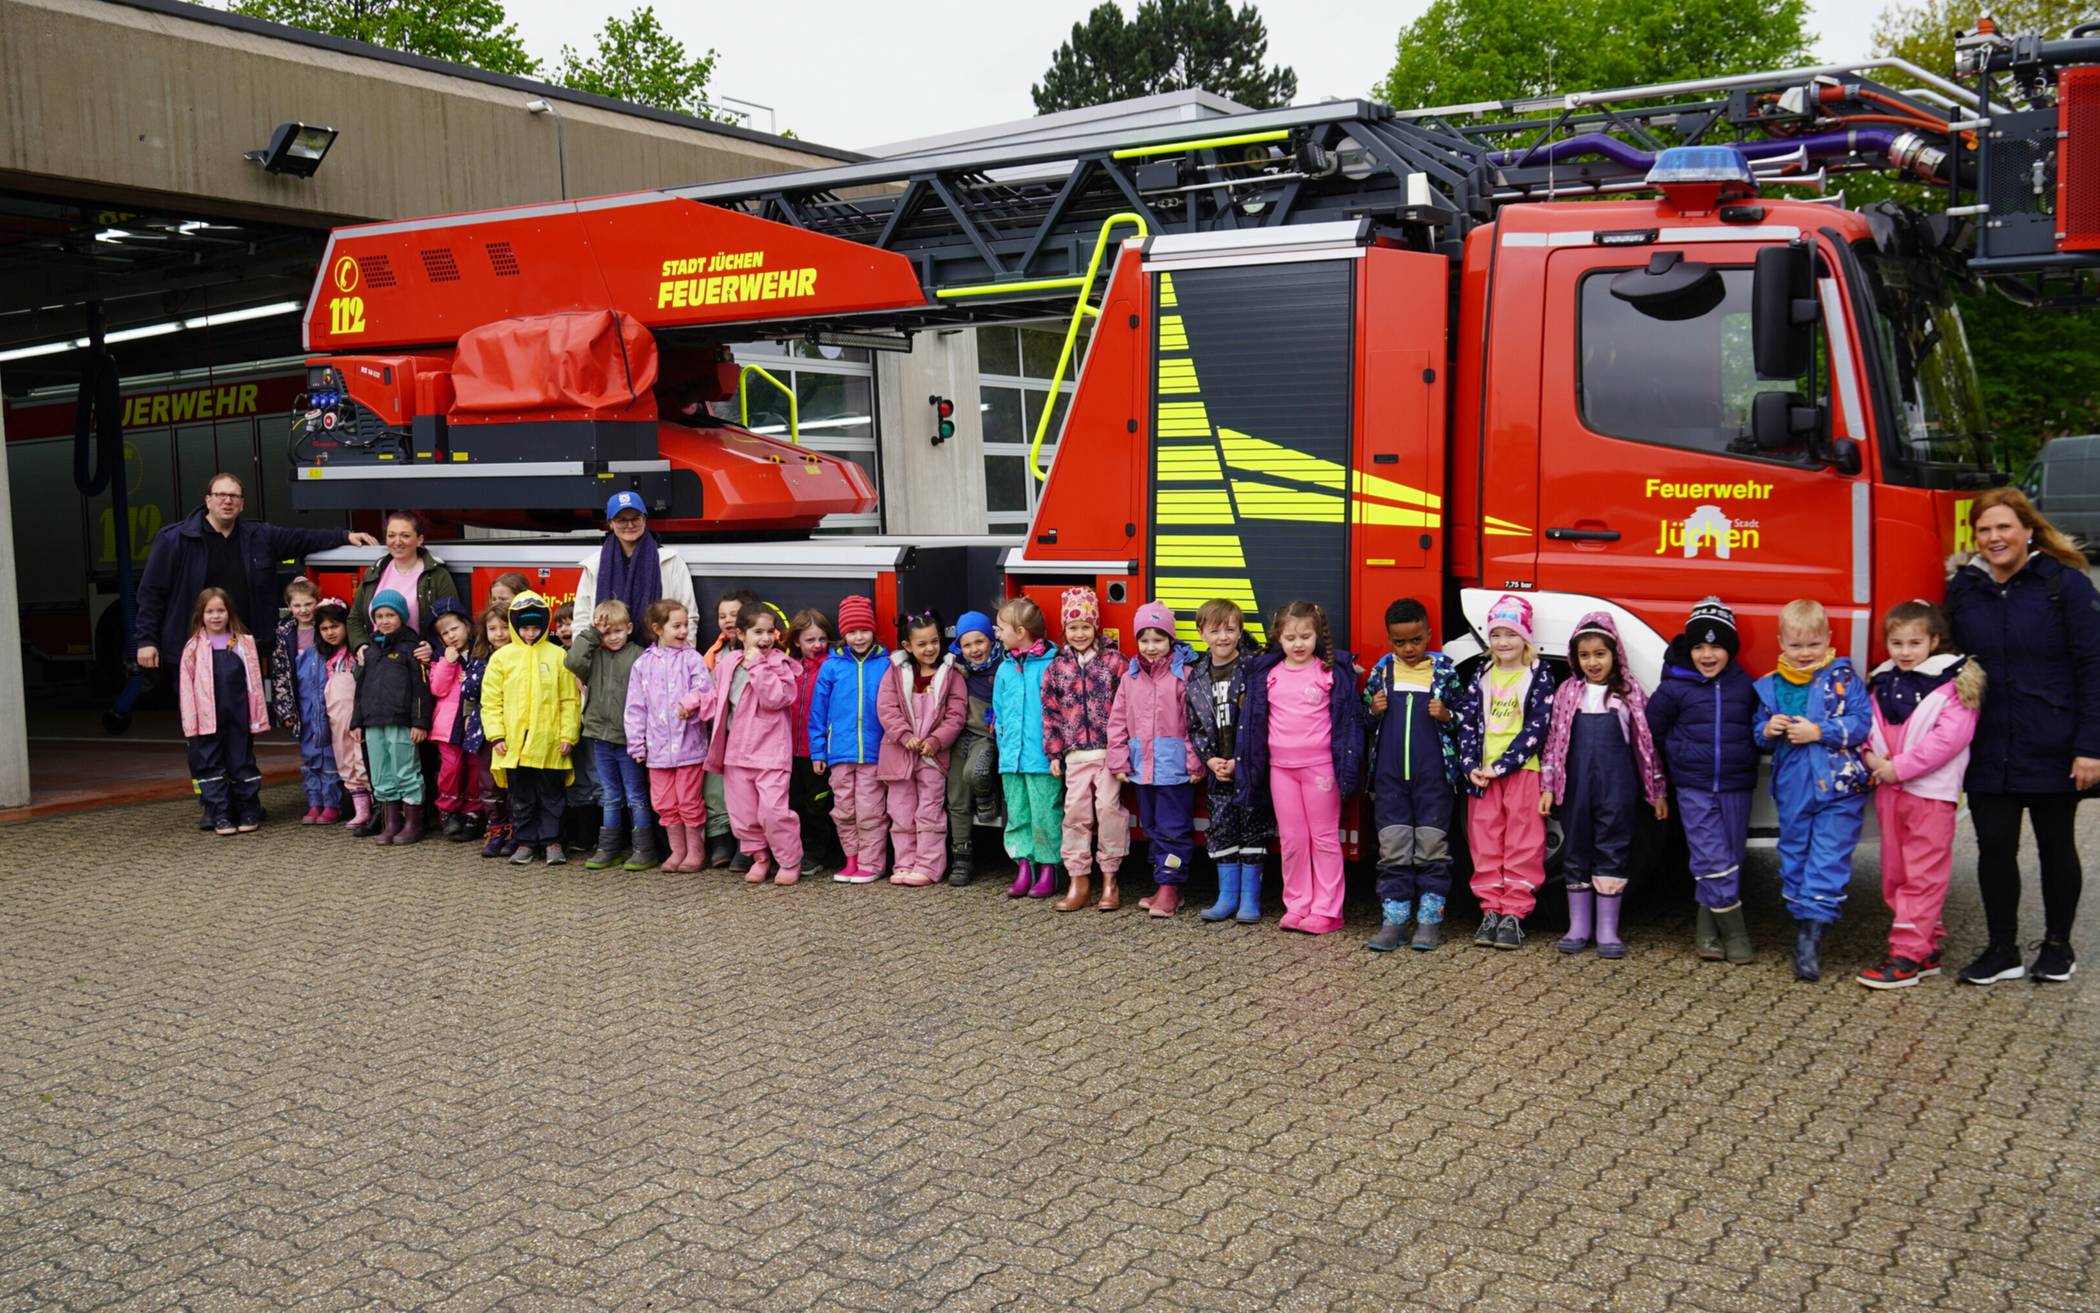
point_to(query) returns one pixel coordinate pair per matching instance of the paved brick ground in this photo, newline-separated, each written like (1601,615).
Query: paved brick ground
(296,1071)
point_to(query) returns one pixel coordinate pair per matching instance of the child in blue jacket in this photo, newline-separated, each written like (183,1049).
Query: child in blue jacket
(845,739)
(1814,714)
(1699,717)
(1413,695)
(1035,814)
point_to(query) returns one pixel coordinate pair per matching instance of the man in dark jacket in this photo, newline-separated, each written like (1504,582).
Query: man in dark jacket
(213,547)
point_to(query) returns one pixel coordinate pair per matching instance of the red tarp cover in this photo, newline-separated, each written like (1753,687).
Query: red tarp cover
(596,360)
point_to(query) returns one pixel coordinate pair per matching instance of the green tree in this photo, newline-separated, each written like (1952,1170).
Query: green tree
(637,61)
(1461,51)
(2037,369)
(473,32)
(1167,45)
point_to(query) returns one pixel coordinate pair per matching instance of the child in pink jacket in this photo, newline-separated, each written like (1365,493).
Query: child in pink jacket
(1925,702)
(668,690)
(753,745)
(1148,746)
(921,708)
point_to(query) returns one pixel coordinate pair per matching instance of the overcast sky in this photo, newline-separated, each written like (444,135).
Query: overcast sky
(856,73)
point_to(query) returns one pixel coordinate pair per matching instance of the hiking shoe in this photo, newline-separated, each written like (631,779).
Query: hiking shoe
(1484,937)
(1996,963)
(555,856)
(1510,934)
(1893,973)
(1389,937)
(2053,962)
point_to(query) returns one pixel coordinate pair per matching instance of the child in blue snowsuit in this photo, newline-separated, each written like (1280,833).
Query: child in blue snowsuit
(1699,717)
(1413,696)
(317,768)
(1814,714)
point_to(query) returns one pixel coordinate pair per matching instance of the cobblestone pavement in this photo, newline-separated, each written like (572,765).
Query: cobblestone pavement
(293,1070)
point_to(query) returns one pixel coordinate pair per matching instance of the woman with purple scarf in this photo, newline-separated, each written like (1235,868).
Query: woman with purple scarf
(632,567)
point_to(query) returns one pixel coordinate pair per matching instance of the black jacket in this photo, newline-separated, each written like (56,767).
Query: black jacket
(392,686)
(2037,636)
(174,575)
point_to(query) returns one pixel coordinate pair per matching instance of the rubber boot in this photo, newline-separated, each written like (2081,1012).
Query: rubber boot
(1077,896)
(1808,951)
(1706,936)
(1735,936)
(1045,880)
(389,822)
(360,811)
(695,849)
(1608,942)
(453,826)
(1111,896)
(1398,912)
(1228,894)
(1024,878)
(612,841)
(328,816)
(647,851)
(1582,916)
(721,851)
(476,826)
(1166,901)
(1250,893)
(1429,924)
(411,823)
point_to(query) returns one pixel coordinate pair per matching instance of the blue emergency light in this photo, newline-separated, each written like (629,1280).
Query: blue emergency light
(1695,179)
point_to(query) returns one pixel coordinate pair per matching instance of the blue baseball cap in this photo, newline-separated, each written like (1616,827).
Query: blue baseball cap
(625,501)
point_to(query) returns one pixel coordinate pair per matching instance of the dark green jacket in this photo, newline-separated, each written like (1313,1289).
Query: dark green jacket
(604,675)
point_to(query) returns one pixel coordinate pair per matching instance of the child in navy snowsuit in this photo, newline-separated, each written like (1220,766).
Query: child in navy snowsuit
(1237,836)
(1814,715)
(1700,719)
(317,768)
(1599,765)
(1413,696)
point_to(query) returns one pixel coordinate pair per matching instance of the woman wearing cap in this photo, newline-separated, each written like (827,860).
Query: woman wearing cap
(408,569)
(2025,611)
(632,567)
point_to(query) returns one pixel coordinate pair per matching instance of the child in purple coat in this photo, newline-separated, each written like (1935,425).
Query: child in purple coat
(665,720)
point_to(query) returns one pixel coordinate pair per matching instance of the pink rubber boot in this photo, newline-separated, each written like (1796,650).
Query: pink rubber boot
(1023,878)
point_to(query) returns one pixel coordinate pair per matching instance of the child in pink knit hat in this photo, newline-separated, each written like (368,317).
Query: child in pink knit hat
(1148,747)
(1503,721)
(1078,691)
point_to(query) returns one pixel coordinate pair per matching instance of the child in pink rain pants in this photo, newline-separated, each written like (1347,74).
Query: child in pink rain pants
(1078,691)
(922,709)
(1925,703)
(1148,748)
(665,720)
(845,741)
(753,745)
(1503,722)
(1301,750)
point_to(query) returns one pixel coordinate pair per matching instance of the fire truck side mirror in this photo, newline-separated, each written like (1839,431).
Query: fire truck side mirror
(1783,311)
(1781,422)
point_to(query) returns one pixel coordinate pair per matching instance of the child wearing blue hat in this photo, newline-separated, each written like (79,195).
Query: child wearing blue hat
(973,765)
(393,717)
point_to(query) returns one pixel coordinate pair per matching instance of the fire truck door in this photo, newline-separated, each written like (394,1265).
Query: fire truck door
(1651,494)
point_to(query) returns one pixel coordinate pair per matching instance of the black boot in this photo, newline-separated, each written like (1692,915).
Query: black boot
(1808,951)
(373,823)
(648,850)
(472,828)
(455,827)
(721,850)
(612,842)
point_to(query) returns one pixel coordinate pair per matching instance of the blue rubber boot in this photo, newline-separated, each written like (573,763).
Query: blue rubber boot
(1392,934)
(1429,924)
(1250,893)
(1228,894)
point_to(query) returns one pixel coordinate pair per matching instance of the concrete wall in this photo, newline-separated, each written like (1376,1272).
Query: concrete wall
(928,489)
(118,103)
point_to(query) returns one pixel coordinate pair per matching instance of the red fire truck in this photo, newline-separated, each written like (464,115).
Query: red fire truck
(1594,347)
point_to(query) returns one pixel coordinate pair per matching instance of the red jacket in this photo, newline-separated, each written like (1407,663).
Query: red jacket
(805,689)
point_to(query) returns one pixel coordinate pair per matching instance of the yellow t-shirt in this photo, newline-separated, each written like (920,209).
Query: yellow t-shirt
(1505,714)
(1405,676)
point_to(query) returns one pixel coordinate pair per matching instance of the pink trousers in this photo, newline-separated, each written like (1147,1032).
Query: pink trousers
(1917,859)
(1509,844)
(861,814)
(919,820)
(676,794)
(1094,816)
(1309,830)
(459,788)
(760,815)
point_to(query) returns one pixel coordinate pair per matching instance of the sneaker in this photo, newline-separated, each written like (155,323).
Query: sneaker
(1931,965)
(555,856)
(1893,973)
(1996,963)
(1484,937)
(522,855)
(2053,962)
(1510,934)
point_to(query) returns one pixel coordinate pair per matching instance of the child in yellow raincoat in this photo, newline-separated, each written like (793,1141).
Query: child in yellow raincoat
(531,719)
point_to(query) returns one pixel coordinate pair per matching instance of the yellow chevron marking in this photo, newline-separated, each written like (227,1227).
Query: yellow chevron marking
(1187,593)
(1193,506)
(1173,335)
(1183,419)
(1377,513)
(1166,290)
(1262,457)
(1184,464)
(1370,485)
(1505,529)
(1221,551)
(1176,376)
(1266,501)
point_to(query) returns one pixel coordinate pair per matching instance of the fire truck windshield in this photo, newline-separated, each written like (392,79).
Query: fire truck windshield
(1935,399)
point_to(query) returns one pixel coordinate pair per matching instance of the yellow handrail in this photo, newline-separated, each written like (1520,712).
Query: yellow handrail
(1079,312)
(743,401)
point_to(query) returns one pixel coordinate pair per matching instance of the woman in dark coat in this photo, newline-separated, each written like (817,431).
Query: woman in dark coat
(2026,611)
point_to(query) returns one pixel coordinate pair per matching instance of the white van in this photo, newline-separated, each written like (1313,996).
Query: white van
(2064,483)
